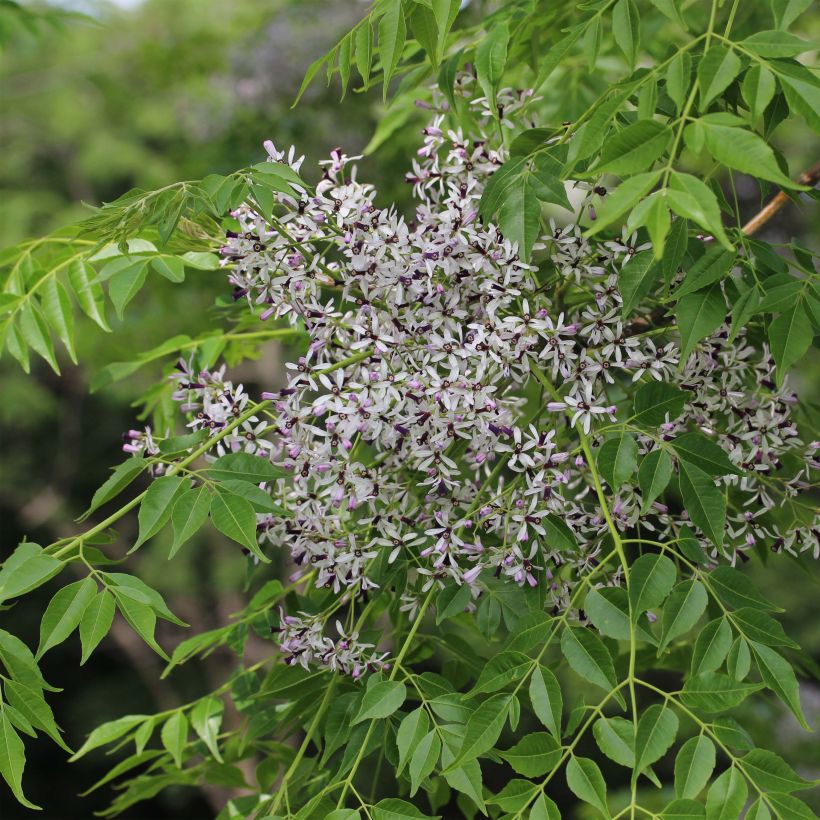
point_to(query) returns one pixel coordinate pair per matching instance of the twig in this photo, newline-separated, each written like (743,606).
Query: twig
(810,178)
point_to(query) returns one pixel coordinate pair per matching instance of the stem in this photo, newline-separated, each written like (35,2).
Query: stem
(810,178)
(314,724)
(393,672)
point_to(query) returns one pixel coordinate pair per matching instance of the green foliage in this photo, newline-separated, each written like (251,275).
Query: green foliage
(711,86)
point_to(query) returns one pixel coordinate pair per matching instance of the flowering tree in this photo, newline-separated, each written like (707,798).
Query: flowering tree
(533,429)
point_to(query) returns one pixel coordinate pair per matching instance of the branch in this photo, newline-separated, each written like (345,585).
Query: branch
(809,178)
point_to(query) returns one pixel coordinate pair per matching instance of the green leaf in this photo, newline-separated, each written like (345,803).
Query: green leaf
(124,285)
(696,449)
(392,808)
(90,297)
(259,499)
(519,216)
(245,467)
(636,279)
(698,315)
(140,591)
(495,191)
(744,151)
(617,460)
(608,610)
(174,736)
(776,44)
(532,629)
(545,178)
(657,729)
(787,805)
(451,601)
(715,692)
(515,796)
(729,732)
(615,737)
(424,759)
(655,403)
(392,35)
(364,50)
(758,90)
(491,59)
(155,509)
(802,92)
(544,809)
(108,733)
(140,616)
(20,663)
(690,198)
(779,676)
(12,759)
(771,773)
(412,729)
(171,267)
(653,476)
(502,669)
(760,627)
(678,79)
(546,699)
(552,59)
(739,661)
(26,569)
(35,332)
(588,657)
(558,535)
(235,517)
(716,70)
(650,581)
(626,29)
(683,610)
(787,11)
(381,700)
(653,212)
(57,309)
(188,515)
(587,783)
(534,755)
(445,13)
(726,796)
(623,198)
(704,502)
(483,728)
(32,705)
(119,479)
(63,613)
(96,622)
(713,266)
(790,335)
(736,590)
(694,766)
(634,148)
(711,646)
(206,719)
(684,809)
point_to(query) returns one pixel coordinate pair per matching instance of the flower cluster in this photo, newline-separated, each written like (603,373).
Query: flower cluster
(412,426)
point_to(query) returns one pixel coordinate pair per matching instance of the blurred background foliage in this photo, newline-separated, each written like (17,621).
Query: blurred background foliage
(148,93)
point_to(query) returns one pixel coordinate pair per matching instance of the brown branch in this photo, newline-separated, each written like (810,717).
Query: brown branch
(810,178)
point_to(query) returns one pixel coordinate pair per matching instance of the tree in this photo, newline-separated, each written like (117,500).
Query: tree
(549,408)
